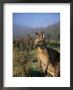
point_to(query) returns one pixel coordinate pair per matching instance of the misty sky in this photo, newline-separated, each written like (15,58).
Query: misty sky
(35,20)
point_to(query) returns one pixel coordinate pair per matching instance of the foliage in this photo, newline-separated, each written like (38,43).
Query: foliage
(24,56)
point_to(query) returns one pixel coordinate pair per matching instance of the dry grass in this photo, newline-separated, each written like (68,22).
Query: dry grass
(26,65)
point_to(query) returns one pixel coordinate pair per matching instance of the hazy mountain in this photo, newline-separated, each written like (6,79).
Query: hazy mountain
(22,31)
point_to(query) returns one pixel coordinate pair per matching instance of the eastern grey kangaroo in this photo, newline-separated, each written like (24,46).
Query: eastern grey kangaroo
(48,58)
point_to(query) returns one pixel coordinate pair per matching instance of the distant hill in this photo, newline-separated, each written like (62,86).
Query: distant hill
(52,31)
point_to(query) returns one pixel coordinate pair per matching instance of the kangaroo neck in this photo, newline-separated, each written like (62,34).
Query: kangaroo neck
(42,51)
(41,46)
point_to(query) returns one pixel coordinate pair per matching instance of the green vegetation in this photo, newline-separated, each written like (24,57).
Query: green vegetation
(25,64)
(24,55)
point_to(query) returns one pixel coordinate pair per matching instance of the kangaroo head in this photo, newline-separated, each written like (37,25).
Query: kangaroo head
(39,39)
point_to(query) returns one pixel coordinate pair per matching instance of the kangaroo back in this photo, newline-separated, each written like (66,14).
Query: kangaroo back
(48,59)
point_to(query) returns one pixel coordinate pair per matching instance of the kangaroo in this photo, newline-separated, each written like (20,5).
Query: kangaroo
(48,58)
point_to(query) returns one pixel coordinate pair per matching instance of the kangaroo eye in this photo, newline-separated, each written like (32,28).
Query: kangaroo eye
(39,41)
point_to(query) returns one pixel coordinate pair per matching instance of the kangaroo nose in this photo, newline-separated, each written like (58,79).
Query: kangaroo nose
(34,45)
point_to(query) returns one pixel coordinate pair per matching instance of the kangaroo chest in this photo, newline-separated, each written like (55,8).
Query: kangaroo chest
(42,55)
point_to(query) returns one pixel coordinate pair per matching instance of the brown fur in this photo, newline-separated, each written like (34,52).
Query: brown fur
(48,59)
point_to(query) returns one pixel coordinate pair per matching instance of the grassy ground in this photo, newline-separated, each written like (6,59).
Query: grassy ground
(26,65)
(23,66)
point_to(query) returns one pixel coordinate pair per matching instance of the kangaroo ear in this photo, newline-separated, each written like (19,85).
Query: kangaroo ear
(42,33)
(37,33)
(43,36)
